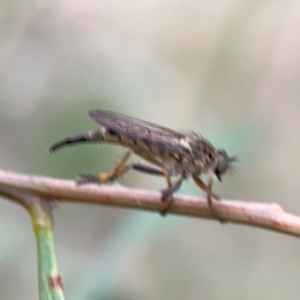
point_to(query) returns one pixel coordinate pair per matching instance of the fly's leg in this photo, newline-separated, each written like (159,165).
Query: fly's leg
(164,172)
(118,171)
(210,195)
(169,182)
(202,186)
(167,194)
(172,188)
(209,199)
(210,202)
(147,170)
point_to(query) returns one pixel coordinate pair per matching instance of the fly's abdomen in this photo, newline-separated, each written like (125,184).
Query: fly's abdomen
(90,136)
(104,135)
(136,145)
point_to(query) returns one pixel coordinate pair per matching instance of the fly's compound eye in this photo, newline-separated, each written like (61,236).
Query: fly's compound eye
(224,164)
(221,167)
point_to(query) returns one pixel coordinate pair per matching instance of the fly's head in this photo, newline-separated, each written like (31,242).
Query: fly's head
(223,163)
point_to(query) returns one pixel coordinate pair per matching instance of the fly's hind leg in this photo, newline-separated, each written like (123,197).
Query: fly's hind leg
(147,170)
(118,171)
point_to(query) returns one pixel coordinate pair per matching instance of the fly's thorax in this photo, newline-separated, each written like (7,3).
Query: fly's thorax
(203,156)
(201,166)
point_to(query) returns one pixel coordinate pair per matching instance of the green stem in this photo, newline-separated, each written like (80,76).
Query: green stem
(50,285)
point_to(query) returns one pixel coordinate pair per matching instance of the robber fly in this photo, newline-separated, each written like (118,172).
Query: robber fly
(173,153)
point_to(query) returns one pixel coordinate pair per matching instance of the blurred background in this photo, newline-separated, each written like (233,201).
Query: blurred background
(229,70)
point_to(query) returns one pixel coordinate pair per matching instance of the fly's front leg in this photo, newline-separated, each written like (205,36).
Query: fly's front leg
(210,202)
(202,186)
(210,194)
(118,171)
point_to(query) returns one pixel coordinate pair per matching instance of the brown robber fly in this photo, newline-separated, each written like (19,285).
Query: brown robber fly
(173,153)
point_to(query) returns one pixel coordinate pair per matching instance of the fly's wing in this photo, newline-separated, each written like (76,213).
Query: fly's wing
(121,122)
(150,133)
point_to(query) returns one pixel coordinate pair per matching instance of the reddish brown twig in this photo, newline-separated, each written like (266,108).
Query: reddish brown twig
(270,216)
